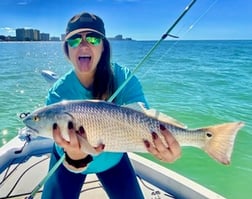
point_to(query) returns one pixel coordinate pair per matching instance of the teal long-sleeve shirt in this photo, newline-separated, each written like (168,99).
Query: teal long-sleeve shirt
(69,87)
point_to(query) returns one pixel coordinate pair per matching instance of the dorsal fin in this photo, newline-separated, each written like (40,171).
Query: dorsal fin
(139,106)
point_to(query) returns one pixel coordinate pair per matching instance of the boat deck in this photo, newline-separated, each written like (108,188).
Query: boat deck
(29,165)
(20,186)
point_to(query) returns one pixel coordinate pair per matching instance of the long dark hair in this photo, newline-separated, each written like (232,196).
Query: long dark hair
(103,85)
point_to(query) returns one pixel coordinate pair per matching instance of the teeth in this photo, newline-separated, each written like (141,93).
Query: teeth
(84,57)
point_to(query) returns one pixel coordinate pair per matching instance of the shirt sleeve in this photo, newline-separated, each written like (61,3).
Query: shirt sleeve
(52,97)
(66,88)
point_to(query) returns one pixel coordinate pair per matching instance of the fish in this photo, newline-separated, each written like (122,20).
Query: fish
(123,128)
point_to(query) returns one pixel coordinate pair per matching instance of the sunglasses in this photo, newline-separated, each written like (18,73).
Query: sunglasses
(92,38)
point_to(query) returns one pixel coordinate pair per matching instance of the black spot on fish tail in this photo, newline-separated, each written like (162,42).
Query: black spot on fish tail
(209,135)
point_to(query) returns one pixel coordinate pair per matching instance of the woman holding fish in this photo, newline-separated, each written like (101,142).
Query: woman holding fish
(94,77)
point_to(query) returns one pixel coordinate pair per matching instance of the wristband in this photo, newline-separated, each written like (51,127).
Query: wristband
(79,163)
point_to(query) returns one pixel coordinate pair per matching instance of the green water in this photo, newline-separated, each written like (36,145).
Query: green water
(200,83)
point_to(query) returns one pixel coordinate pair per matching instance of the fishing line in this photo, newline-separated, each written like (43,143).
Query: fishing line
(201,16)
(112,97)
(196,21)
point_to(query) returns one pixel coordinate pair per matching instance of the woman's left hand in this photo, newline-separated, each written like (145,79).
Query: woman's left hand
(159,149)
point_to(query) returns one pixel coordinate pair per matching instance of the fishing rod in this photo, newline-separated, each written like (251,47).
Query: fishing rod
(43,181)
(167,33)
(112,97)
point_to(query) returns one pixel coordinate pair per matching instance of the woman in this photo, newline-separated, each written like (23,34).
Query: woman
(94,77)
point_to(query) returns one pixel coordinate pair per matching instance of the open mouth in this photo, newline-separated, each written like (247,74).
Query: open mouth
(84,58)
(84,62)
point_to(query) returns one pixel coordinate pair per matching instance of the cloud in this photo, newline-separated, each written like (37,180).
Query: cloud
(7,30)
(23,2)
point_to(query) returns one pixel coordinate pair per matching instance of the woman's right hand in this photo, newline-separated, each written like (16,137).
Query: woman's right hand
(160,150)
(72,147)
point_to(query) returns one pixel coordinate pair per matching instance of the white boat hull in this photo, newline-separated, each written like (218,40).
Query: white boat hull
(22,170)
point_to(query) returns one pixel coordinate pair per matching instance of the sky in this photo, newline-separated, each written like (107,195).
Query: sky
(137,19)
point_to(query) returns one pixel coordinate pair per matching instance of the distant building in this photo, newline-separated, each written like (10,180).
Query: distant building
(36,34)
(23,34)
(44,37)
(27,34)
(55,39)
(119,37)
(2,38)
(7,38)
(20,34)
(63,37)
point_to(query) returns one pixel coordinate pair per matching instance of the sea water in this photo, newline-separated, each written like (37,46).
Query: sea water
(200,83)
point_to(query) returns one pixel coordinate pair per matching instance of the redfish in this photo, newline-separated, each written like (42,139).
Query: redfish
(123,128)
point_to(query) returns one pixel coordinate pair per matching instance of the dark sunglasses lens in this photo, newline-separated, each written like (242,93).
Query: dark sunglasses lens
(74,41)
(93,38)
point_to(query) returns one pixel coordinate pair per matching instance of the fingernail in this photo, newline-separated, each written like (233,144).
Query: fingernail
(162,127)
(147,144)
(154,135)
(81,130)
(70,125)
(55,126)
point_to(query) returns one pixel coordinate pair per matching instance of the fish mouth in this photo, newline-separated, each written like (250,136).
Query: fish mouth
(27,121)
(34,131)
(27,132)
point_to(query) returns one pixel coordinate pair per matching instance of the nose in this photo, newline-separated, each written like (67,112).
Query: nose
(83,41)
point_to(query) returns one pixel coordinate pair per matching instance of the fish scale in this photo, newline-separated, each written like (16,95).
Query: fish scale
(123,128)
(107,122)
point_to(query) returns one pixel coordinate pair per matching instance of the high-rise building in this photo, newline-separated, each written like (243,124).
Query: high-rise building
(54,39)
(44,37)
(27,34)
(63,37)
(20,34)
(36,35)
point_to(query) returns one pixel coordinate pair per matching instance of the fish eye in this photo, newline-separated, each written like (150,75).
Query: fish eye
(36,118)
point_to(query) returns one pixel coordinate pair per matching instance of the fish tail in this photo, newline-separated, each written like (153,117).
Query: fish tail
(220,140)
